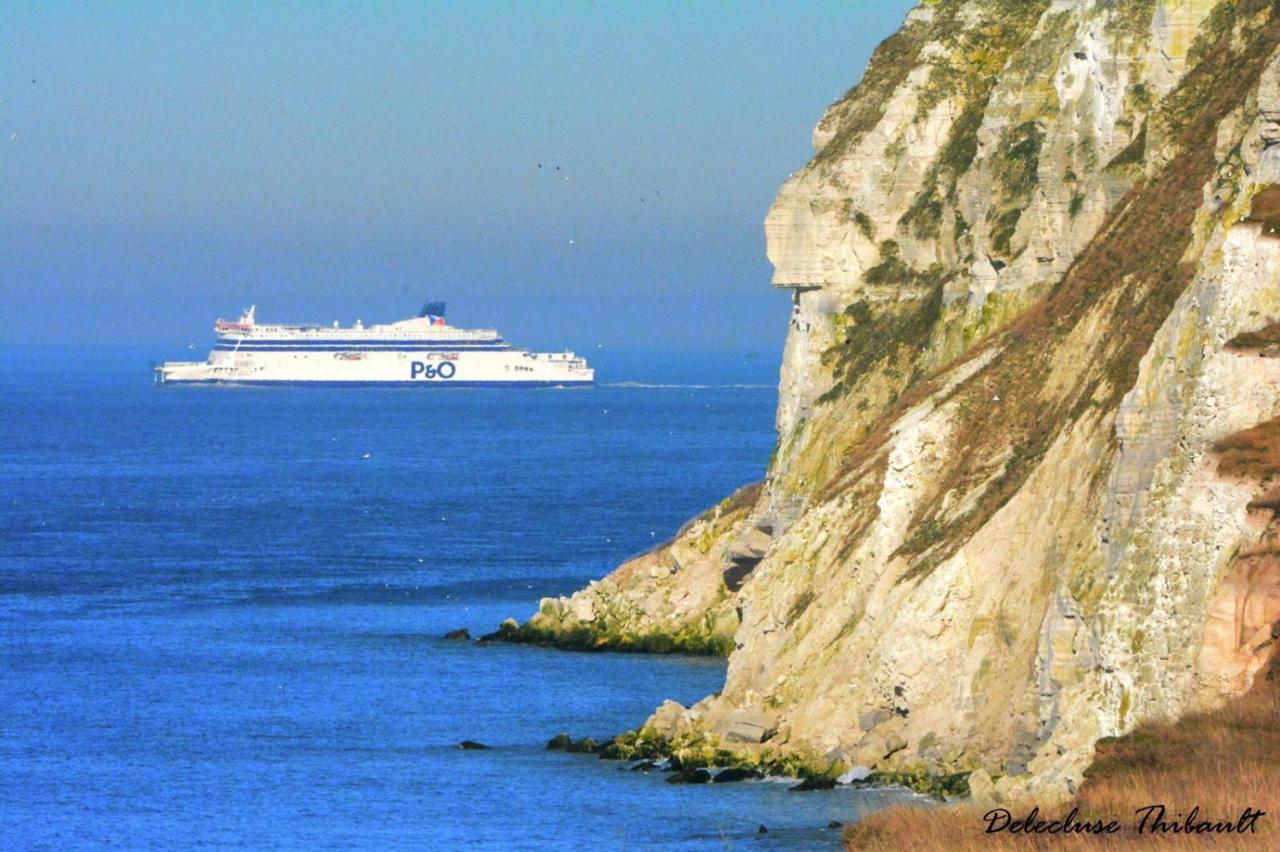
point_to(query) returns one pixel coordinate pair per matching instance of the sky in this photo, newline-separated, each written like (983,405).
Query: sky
(582,175)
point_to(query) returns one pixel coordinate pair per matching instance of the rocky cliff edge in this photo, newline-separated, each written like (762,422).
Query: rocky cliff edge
(1023,494)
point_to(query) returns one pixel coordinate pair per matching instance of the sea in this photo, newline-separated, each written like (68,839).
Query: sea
(222,610)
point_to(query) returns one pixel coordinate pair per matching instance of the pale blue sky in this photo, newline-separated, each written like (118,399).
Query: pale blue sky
(162,164)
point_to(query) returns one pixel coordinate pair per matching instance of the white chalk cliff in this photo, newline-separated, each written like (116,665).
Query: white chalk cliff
(997,526)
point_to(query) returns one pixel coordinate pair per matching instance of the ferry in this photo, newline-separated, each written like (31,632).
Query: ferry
(423,350)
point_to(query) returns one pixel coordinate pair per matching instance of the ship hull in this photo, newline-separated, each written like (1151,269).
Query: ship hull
(373,383)
(505,368)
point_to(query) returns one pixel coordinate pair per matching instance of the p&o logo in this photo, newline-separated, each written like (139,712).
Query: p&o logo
(443,370)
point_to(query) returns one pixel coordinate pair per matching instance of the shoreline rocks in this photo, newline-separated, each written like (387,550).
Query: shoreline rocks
(690,776)
(687,641)
(689,756)
(563,742)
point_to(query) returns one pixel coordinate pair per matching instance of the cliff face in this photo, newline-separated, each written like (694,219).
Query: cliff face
(1008,512)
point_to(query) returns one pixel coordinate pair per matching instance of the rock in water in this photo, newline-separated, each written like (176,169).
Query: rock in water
(734,773)
(817,782)
(563,742)
(458,635)
(586,745)
(472,745)
(690,776)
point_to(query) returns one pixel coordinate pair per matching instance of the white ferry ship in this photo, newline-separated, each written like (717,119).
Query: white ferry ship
(424,350)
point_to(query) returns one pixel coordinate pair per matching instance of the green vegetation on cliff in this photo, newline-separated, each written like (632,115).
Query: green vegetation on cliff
(886,339)
(699,640)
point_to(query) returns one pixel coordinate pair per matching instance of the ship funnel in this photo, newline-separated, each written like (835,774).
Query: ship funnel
(434,309)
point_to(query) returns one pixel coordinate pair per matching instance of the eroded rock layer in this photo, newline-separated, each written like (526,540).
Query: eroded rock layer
(1003,518)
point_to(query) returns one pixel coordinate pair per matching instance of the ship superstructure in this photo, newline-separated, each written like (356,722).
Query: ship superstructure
(424,350)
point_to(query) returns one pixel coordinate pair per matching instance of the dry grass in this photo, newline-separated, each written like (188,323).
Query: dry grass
(1222,761)
(1254,454)
(1265,340)
(1266,209)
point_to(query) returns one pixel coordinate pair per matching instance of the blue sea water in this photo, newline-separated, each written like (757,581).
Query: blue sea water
(221,611)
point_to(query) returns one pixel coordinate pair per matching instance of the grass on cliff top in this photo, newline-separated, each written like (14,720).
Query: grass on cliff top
(1221,761)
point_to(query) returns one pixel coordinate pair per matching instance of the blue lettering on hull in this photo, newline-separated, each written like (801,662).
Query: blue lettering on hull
(443,370)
